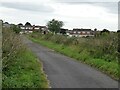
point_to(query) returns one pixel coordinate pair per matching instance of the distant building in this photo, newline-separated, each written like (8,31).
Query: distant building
(63,31)
(80,32)
(28,28)
(69,33)
(6,24)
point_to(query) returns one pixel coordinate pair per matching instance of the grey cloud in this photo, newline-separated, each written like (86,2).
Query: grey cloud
(28,6)
(77,1)
(110,5)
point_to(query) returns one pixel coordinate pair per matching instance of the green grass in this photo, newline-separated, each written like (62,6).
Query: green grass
(20,67)
(25,72)
(110,68)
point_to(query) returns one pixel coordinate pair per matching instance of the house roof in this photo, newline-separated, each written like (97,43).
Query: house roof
(6,23)
(76,29)
(27,24)
(63,29)
(20,24)
(36,26)
(43,26)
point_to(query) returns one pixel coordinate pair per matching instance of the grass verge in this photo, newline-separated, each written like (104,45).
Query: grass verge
(110,68)
(25,72)
(20,67)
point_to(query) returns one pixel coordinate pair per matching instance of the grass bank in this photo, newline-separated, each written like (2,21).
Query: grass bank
(109,67)
(21,68)
(25,72)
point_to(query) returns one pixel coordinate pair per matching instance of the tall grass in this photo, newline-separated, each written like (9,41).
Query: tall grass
(104,46)
(100,52)
(21,68)
(11,45)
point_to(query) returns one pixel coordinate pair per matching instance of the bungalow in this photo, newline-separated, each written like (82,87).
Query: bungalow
(80,32)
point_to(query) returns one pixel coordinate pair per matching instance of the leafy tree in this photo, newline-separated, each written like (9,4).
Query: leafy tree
(54,25)
(105,31)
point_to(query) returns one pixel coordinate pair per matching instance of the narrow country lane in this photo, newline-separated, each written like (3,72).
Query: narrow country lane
(65,72)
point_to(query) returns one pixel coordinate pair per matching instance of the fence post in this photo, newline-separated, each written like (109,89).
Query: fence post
(1,23)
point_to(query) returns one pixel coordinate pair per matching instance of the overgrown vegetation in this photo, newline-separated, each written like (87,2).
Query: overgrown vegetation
(21,68)
(100,52)
(15,29)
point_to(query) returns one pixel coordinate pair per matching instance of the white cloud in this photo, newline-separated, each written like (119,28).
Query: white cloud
(86,15)
(72,1)
(41,7)
(82,15)
(84,10)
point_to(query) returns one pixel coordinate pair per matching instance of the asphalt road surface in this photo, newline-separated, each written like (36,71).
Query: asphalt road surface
(65,72)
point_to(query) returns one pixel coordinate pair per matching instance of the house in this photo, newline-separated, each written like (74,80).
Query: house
(80,32)
(69,33)
(44,29)
(28,28)
(41,29)
(6,24)
(63,31)
(36,28)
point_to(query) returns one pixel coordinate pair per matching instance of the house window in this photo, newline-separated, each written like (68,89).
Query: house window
(88,32)
(42,28)
(36,28)
(83,32)
(22,27)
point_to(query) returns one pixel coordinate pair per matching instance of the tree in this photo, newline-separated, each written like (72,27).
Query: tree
(54,25)
(105,31)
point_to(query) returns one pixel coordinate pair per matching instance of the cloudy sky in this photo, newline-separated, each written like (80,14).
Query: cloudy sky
(92,14)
